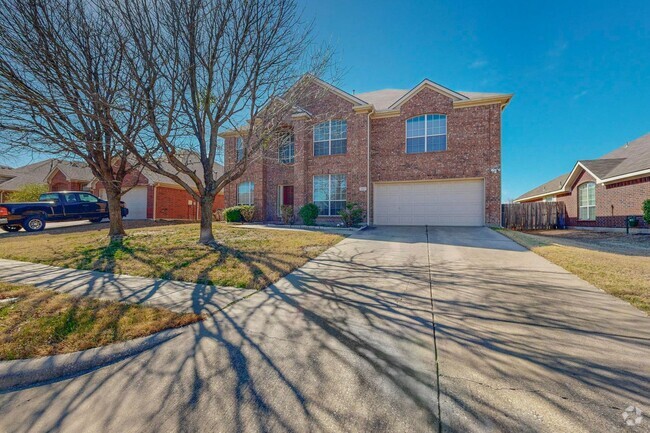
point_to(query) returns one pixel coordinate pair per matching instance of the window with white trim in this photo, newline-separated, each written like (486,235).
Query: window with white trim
(426,133)
(286,151)
(331,138)
(245,193)
(240,149)
(330,193)
(587,201)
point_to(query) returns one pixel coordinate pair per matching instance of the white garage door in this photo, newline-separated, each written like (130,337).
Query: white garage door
(135,201)
(439,203)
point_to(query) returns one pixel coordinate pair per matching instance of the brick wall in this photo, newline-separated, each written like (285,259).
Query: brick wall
(474,149)
(59,182)
(613,202)
(175,203)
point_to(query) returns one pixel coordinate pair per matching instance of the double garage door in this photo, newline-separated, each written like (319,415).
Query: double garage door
(436,203)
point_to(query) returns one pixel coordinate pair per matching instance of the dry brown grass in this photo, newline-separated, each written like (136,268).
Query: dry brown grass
(43,322)
(624,276)
(247,257)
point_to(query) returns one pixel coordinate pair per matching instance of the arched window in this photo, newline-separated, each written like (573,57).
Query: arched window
(587,201)
(426,133)
(331,138)
(245,193)
(286,150)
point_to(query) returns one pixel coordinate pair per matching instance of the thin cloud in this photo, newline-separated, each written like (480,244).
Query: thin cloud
(478,63)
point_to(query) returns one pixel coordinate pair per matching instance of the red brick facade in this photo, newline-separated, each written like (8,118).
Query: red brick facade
(614,202)
(58,182)
(473,151)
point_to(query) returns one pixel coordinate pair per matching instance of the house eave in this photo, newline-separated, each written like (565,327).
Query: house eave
(503,100)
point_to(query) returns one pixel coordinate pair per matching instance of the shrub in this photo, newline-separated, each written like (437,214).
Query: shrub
(309,213)
(646,211)
(232,214)
(286,212)
(247,212)
(29,192)
(352,214)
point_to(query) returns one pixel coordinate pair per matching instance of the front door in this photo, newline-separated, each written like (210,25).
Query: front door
(287,195)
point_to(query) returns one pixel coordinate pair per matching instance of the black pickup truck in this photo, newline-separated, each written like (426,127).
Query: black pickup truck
(54,206)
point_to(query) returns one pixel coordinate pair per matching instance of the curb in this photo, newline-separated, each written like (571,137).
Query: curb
(23,373)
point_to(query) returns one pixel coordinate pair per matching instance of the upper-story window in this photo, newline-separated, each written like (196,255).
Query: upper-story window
(286,151)
(426,133)
(331,138)
(587,201)
(240,149)
(245,193)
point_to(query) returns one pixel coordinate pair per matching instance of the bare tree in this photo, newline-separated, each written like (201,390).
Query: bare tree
(206,66)
(64,90)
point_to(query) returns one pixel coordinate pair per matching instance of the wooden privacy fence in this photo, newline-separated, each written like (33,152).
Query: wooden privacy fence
(533,216)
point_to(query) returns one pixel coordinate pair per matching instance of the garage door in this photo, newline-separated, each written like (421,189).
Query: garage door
(135,201)
(439,203)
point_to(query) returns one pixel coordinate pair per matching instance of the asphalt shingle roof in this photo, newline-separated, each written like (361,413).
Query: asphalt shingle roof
(627,159)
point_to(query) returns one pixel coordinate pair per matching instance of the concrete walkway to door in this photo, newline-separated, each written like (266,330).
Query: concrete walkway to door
(346,344)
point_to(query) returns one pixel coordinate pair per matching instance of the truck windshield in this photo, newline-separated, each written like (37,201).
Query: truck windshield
(48,197)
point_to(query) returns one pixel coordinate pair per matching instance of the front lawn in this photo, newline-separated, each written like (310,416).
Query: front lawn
(36,322)
(626,276)
(247,257)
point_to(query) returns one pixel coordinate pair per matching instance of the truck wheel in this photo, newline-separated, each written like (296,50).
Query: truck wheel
(8,228)
(34,223)
(96,220)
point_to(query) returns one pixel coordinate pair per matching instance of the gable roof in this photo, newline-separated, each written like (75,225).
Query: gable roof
(77,171)
(34,173)
(629,161)
(387,99)
(549,188)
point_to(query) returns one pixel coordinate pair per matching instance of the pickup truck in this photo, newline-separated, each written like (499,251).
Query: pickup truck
(54,206)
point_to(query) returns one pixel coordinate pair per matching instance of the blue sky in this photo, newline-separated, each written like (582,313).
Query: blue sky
(580,71)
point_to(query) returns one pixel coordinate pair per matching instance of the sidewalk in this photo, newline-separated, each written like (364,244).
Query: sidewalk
(175,295)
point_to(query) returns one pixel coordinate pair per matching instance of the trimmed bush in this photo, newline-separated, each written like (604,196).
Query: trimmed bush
(309,213)
(286,212)
(646,211)
(247,212)
(352,214)
(232,214)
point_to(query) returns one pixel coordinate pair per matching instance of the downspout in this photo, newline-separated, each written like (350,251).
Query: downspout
(368,174)
(155,196)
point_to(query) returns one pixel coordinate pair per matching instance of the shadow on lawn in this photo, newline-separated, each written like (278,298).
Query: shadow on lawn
(346,344)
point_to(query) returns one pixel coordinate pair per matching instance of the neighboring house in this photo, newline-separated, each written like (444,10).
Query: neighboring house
(151,196)
(602,192)
(13,179)
(154,196)
(428,155)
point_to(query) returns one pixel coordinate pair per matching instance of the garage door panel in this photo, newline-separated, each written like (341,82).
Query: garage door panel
(429,203)
(135,201)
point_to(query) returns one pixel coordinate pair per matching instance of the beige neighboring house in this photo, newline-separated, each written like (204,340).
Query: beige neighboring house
(13,179)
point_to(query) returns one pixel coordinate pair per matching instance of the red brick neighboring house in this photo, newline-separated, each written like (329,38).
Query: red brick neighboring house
(428,155)
(603,192)
(152,196)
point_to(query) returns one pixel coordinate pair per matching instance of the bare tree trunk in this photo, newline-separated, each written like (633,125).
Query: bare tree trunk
(116,229)
(207,237)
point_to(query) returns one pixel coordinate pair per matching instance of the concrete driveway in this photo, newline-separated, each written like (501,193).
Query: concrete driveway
(346,344)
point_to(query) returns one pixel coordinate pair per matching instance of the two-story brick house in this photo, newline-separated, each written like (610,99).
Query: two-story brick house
(428,155)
